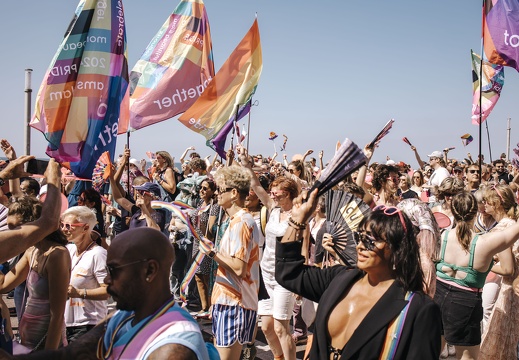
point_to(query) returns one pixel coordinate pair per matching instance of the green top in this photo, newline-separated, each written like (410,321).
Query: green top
(474,278)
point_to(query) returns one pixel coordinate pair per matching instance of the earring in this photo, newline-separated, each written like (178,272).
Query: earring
(148,279)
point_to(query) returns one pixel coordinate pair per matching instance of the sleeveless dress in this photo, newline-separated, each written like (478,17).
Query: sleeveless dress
(36,317)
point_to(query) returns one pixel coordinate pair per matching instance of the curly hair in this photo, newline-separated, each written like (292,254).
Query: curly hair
(234,176)
(402,242)
(502,196)
(450,186)
(464,209)
(381,174)
(29,208)
(286,184)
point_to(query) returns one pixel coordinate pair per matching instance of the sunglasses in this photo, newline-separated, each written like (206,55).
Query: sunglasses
(82,199)
(291,171)
(224,190)
(68,226)
(472,171)
(111,269)
(205,188)
(277,195)
(393,179)
(390,211)
(143,192)
(367,241)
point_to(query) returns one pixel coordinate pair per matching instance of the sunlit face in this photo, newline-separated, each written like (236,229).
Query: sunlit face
(224,195)
(417,179)
(293,170)
(392,182)
(72,228)
(252,201)
(369,260)
(205,191)
(510,168)
(403,182)
(280,197)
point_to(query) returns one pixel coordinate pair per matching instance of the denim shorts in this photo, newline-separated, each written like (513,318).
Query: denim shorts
(231,324)
(461,312)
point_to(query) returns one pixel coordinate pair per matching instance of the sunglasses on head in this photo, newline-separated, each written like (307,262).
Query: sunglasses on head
(367,241)
(390,211)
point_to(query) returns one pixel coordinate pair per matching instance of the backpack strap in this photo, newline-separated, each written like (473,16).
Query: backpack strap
(264,216)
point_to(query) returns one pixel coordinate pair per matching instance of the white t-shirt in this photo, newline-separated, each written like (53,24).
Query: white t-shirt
(88,272)
(436,179)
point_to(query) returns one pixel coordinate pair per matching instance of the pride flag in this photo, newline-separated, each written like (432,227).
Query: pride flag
(175,68)
(466,139)
(228,94)
(493,80)
(501,32)
(78,103)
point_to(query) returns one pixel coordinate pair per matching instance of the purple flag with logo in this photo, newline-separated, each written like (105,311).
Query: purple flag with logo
(501,32)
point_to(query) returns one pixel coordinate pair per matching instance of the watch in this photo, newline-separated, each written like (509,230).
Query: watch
(2,182)
(212,254)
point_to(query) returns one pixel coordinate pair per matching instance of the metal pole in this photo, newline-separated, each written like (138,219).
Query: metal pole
(28,97)
(508,130)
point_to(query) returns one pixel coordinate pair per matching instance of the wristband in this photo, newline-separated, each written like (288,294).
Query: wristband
(302,226)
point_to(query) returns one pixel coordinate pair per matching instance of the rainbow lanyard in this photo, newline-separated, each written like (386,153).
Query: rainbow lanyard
(100,345)
(395,331)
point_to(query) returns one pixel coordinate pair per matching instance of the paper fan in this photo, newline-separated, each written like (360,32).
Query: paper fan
(101,171)
(382,133)
(443,220)
(344,212)
(346,160)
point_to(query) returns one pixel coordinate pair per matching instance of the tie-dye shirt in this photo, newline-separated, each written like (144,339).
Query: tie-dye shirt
(240,241)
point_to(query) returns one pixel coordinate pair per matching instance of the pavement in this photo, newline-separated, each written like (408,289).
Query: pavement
(263,349)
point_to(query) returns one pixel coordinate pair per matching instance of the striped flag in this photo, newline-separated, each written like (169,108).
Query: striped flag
(228,94)
(493,80)
(78,103)
(466,139)
(175,68)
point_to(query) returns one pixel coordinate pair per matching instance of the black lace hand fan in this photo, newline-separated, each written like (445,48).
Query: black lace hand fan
(344,211)
(346,160)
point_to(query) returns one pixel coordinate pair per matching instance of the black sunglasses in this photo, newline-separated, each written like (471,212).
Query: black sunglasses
(111,269)
(366,240)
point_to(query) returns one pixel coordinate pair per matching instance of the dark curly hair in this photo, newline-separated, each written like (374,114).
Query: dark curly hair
(404,248)
(381,174)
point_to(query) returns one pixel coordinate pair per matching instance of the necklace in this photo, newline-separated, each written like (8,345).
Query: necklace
(160,311)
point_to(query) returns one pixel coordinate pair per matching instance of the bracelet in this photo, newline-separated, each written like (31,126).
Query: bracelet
(302,226)
(84,294)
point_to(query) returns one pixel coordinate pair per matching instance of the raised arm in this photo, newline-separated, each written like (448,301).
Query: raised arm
(118,194)
(255,183)
(184,154)
(421,163)
(16,241)
(10,154)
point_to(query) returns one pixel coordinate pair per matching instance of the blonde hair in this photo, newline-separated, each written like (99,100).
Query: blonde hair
(234,176)
(502,196)
(83,214)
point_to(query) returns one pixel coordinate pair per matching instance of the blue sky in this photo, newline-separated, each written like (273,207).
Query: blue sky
(331,70)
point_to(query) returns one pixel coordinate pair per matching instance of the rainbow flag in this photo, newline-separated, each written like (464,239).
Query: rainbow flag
(501,32)
(493,80)
(78,103)
(466,139)
(175,68)
(228,94)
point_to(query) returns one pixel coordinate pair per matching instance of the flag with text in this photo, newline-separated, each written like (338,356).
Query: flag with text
(79,100)
(226,98)
(501,32)
(175,68)
(491,85)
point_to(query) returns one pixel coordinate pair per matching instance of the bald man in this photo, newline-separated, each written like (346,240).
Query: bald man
(148,323)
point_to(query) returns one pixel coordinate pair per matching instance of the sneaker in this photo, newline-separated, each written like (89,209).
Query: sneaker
(249,352)
(202,314)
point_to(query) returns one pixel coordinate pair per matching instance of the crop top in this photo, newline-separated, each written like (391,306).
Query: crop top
(474,278)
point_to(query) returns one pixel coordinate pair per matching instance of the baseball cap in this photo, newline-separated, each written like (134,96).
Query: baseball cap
(437,154)
(149,187)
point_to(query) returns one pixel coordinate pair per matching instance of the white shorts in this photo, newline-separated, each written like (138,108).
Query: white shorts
(280,303)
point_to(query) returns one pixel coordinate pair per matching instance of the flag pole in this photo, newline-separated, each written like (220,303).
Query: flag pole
(248,124)
(28,96)
(481,83)
(128,161)
(234,124)
(508,131)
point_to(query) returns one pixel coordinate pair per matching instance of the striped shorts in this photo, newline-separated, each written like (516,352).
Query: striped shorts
(231,324)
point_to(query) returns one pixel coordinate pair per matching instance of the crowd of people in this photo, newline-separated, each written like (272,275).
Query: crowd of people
(434,270)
